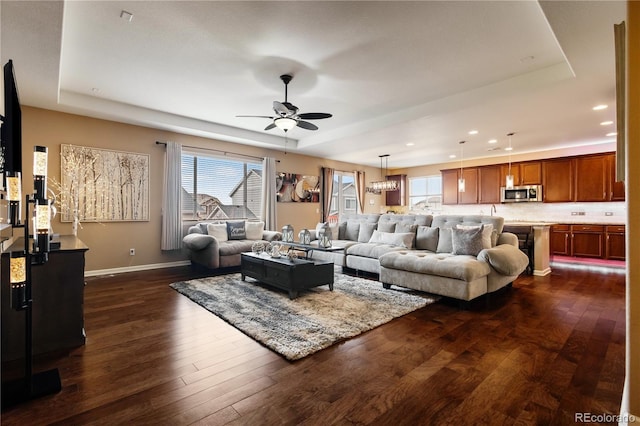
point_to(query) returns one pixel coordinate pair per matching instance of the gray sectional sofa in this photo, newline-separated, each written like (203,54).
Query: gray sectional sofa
(218,245)
(462,257)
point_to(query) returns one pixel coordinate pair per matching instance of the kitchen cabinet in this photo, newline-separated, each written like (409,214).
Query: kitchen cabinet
(489,184)
(592,178)
(584,240)
(615,242)
(470,195)
(450,186)
(587,241)
(617,187)
(524,173)
(560,239)
(398,197)
(558,180)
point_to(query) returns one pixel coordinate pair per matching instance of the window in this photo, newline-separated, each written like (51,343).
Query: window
(425,193)
(215,188)
(344,198)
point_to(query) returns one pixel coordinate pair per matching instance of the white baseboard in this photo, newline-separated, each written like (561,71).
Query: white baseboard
(136,268)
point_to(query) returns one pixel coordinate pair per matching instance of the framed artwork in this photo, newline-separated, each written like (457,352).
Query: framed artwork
(100,185)
(293,188)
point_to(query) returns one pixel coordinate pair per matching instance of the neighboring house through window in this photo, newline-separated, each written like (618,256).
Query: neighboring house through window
(343,199)
(425,193)
(215,188)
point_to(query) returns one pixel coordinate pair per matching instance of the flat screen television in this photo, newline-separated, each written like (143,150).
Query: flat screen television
(11,124)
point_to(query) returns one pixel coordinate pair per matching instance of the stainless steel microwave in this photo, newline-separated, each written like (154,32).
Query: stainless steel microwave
(519,194)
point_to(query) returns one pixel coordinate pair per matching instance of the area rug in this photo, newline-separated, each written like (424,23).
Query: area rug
(315,320)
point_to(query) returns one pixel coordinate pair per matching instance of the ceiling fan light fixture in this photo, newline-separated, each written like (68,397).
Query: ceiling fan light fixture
(285,123)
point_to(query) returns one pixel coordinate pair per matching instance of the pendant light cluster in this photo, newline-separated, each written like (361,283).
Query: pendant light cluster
(383,184)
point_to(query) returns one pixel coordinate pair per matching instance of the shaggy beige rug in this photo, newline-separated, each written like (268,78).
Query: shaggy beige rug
(317,319)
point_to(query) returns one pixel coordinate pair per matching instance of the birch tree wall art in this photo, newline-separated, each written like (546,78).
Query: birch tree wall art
(99,185)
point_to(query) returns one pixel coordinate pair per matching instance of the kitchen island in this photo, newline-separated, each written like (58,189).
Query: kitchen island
(541,244)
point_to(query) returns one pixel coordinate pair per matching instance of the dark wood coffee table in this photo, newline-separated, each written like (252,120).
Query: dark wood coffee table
(291,275)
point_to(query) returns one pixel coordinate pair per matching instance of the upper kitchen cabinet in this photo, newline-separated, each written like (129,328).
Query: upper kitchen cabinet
(617,187)
(489,184)
(450,186)
(524,173)
(397,197)
(592,178)
(557,180)
(450,193)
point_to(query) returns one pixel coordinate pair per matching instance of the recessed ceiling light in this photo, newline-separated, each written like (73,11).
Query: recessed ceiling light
(452,156)
(526,59)
(473,132)
(600,107)
(410,144)
(606,123)
(493,140)
(612,134)
(508,148)
(127,16)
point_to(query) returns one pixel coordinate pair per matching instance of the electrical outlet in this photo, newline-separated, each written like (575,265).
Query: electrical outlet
(132,252)
(581,213)
(608,213)
(574,213)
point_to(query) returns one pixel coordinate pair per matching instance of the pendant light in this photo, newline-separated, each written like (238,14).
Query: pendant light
(509,180)
(461,182)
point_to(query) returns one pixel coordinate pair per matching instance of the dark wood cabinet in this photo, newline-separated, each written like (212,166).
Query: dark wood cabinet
(617,191)
(489,184)
(470,195)
(592,178)
(398,197)
(450,186)
(557,180)
(587,241)
(524,173)
(560,240)
(615,243)
(58,297)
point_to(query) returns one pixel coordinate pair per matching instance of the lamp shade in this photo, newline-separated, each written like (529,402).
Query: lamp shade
(461,185)
(14,186)
(42,216)
(17,268)
(40,171)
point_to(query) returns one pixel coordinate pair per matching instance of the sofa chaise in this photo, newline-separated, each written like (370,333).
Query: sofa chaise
(457,256)
(218,245)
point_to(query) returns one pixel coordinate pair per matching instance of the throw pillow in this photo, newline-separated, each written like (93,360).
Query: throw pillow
(366,230)
(342,231)
(353,229)
(444,241)
(404,239)
(218,231)
(427,238)
(406,227)
(254,230)
(236,230)
(467,241)
(487,233)
(387,226)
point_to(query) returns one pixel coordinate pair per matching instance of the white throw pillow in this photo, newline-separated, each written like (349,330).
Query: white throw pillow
(218,231)
(254,230)
(400,239)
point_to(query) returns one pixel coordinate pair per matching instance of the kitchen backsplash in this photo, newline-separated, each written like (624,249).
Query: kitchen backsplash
(606,213)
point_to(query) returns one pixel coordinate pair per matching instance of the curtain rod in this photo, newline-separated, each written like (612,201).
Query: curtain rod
(217,150)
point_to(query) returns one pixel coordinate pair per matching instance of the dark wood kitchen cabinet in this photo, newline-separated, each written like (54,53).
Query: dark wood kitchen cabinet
(58,298)
(450,193)
(587,241)
(615,243)
(557,180)
(524,173)
(489,184)
(450,186)
(397,197)
(560,240)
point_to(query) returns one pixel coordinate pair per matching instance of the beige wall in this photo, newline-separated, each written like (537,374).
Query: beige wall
(633,200)
(109,242)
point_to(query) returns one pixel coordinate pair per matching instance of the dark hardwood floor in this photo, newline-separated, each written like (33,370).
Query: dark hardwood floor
(543,350)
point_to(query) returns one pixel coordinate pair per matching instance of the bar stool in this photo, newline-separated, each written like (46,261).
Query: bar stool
(525,241)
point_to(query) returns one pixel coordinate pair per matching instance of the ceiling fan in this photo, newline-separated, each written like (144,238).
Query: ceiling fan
(286,114)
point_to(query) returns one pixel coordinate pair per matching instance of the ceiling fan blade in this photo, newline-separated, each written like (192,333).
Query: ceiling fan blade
(270,126)
(314,115)
(307,125)
(256,116)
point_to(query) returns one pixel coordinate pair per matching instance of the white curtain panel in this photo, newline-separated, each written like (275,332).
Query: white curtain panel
(268,205)
(326,192)
(172,198)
